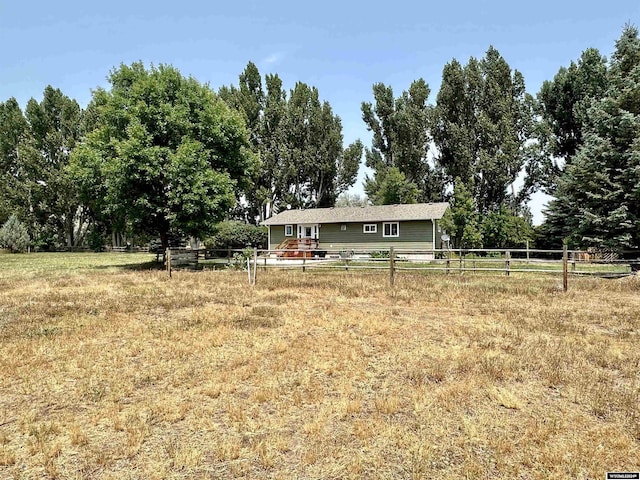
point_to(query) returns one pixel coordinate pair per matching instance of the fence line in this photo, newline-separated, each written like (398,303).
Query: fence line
(397,261)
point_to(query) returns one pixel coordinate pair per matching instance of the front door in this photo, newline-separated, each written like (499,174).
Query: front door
(308,231)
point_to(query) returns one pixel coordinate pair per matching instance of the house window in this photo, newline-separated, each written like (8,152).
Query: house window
(343,227)
(288,230)
(370,228)
(390,229)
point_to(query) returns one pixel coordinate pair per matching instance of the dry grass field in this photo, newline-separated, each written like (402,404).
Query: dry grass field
(108,371)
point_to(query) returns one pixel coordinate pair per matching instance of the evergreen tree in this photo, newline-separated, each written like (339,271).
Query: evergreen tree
(562,104)
(598,196)
(14,235)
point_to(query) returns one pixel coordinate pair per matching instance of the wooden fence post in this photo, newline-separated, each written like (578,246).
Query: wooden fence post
(168,255)
(304,261)
(565,268)
(507,262)
(448,260)
(255,265)
(392,266)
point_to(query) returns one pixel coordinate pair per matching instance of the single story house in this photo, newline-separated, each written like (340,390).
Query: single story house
(378,227)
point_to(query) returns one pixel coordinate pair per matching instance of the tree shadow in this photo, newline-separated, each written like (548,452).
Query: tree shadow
(139,267)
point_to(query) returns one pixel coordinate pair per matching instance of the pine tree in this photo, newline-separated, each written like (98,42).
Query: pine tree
(562,104)
(14,235)
(598,196)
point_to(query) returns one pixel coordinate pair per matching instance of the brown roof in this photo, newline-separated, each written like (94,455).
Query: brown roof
(373,213)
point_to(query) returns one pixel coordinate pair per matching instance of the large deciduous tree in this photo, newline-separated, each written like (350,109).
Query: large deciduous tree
(598,195)
(298,141)
(34,154)
(317,167)
(13,131)
(480,127)
(166,155)
(400,128)
(55,129)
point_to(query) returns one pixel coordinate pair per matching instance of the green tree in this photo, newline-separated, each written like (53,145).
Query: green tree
(248,98)
(461,219)
(236,235)
(314,166)
(55,127)
(481,124)
(13,132)
(392,187)
(598,195)
(503,228)
(562,104)
(14,235)
(34,153)
(400,129)
(298,141)
(561,216)
(167,155)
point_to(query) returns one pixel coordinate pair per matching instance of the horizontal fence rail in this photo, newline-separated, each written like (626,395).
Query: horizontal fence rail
(396,261)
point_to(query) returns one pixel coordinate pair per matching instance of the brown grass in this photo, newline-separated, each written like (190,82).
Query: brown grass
(113,373)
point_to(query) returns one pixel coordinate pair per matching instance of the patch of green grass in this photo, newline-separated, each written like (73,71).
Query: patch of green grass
(60,264)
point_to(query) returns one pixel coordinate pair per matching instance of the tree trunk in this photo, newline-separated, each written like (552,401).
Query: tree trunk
(68,229)
(164,239)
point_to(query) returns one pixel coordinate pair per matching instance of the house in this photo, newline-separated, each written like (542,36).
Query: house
(412,226)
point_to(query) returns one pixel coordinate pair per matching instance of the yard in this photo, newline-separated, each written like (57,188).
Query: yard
(111,370)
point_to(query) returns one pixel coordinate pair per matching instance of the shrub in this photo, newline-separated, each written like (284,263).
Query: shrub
(96,239)
(236,235)
(14,235)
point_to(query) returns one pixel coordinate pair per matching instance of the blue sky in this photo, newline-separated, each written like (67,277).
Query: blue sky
(340,47)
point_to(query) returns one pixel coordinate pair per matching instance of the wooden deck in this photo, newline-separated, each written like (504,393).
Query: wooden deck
(298,248)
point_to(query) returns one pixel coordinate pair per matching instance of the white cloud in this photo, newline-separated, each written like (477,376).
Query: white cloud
(273,58)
